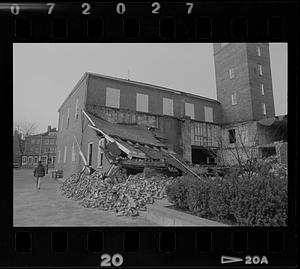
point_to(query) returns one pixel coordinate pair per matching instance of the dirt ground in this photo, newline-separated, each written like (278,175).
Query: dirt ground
(47,207)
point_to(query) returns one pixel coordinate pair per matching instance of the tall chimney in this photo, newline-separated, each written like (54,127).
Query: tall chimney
(49,128)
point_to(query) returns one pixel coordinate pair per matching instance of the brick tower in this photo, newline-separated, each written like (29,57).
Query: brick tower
(244,82)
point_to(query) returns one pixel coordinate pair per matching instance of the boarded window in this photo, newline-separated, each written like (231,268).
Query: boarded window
(73,152)
(76,109)
(142,102)
(101,152)
(262,89)
(264,111)
(244,137)
(90,153)
(68,118)
(258,51)
(112,97)
(190,110)
(208,113)
(168,106)
(233,99)
(231,73)
(260,70)
(61,123)
(231,136)
(65,154)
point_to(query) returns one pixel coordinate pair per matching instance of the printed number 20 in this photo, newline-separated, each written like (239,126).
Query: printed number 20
(116,260)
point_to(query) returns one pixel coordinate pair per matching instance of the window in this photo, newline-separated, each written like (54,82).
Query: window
(233,99)
(35,159)
(231,135)
(32,141)
(262,89)
(68,118)
(142,102)
(231,73)
(223,44)
(76,109)
(258,51)
(264,111)
(208,113)
(52,141)
(73,152)
(65,154)
(62,123)
(190,110)
(112,97)
(101,152)
(90,153)
(37,141)
(260,70)
(24,159)
(46,141)
(167,106)
(58,157)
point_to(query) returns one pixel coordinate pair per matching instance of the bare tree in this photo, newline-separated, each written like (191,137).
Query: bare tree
(24,129)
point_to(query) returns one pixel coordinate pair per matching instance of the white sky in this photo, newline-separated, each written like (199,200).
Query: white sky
(45,73)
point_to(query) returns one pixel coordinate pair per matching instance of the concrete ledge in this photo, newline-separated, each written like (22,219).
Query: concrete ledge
(162,215)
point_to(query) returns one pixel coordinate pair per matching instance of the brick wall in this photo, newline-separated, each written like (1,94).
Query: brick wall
(97,96)
(242,57)
(65,136)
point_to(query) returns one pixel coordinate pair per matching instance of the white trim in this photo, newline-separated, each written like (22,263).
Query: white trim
(231,73)
(260,71)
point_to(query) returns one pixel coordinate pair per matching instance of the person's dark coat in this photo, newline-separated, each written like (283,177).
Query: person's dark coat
(39,171)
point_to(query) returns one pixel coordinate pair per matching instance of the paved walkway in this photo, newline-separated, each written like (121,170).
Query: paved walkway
(47,207)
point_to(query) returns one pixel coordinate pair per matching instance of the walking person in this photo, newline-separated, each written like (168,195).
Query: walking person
(39,172)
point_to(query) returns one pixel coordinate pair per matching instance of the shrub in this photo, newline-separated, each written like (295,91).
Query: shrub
(177,192)
(257,201)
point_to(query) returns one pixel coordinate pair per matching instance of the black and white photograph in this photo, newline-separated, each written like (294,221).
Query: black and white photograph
(150,134)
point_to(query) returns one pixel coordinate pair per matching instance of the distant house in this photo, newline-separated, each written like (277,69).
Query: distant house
(18,147)
(40,147)
(144,120)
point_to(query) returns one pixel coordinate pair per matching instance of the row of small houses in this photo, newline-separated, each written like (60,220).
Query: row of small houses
(39,147)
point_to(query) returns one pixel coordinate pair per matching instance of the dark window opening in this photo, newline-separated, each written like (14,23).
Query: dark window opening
(232,138)
(267,152)
(90,154)
(202,156)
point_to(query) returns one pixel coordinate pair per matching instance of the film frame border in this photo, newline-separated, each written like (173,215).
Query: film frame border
(186,29)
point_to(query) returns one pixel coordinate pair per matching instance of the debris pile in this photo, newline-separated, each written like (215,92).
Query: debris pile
(125,198)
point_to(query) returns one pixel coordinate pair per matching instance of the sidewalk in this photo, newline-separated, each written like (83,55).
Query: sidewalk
(47,207)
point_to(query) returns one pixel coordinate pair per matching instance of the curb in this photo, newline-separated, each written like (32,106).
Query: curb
(161,214)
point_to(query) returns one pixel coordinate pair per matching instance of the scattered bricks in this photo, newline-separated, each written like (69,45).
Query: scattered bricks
(126,198)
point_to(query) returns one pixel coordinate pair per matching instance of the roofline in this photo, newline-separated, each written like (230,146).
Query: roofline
(153,86)
(84,76)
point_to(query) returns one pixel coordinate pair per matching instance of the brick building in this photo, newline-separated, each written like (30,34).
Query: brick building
(146,121)
(40,147)
(18,147)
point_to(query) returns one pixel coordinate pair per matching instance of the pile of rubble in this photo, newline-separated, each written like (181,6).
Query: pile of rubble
(125,198)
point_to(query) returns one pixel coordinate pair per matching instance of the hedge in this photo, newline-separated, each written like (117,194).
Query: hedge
(259,201)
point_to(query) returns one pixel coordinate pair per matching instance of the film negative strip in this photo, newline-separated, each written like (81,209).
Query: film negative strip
(134,174)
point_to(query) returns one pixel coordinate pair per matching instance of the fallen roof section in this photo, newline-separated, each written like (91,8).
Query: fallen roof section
(278,121)
(133,133)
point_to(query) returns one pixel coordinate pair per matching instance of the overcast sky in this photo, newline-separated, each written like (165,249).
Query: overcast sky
(44,74)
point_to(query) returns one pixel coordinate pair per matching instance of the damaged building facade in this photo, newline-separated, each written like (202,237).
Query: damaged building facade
(143,124)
